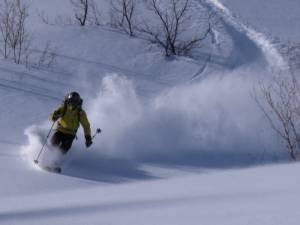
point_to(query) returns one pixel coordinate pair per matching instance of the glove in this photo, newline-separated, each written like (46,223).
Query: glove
(55,117)
(88,141)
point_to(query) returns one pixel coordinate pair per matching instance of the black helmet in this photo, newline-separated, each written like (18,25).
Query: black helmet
(73,99)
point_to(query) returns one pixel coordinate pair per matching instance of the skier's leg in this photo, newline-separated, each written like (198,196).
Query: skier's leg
(56,138)
(61,141)
(66,143)
(50,157)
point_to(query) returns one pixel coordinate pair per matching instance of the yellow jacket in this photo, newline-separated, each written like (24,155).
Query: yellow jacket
(69,120)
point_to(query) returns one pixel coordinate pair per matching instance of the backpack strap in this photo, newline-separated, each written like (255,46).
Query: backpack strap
(64,105)
(64,109)
(79,111)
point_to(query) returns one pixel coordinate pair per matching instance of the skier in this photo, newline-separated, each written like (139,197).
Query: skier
(69,115)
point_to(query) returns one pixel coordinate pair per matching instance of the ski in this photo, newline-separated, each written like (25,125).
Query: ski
(52,169)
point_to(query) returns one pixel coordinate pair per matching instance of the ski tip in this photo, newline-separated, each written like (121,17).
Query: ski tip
(58,170)
(52,169)
(35,161)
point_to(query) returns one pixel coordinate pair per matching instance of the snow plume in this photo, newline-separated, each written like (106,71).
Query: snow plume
(116,109)
(215,121)
(37,136)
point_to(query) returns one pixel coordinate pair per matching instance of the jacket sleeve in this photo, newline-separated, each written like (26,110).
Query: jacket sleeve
(57,113)
(85,123)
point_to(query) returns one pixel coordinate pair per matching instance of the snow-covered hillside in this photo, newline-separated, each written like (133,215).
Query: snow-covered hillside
(170,126)
(254,196)
(273,17)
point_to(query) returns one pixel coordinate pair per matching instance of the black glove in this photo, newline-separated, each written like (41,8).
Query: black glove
(55,117)
(88,141)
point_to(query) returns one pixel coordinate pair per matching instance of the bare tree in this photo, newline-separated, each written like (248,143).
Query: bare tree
(6,14)
(122,15)
(94,18)
(170,31)
(280,103)
(291,52)
(15,36)
(81,8)
(47,56)
(86,12)
(21,40)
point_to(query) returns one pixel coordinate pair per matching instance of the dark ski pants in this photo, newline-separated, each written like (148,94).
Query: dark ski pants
(62,141)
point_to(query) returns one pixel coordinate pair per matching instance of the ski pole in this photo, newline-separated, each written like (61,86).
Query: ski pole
(37,159)
(97,132)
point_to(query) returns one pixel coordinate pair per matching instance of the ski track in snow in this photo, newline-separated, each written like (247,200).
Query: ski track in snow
(273,57)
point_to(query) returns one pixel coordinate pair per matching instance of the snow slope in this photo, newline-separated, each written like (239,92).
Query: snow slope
(169,128)
(272,17)
(252,196)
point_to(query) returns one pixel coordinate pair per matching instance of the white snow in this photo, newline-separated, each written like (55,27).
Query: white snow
(183,140)
(273,17)
(253,196)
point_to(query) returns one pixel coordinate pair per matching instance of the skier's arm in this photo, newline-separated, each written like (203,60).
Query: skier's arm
(87,128)
(85,123)
(56,114)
